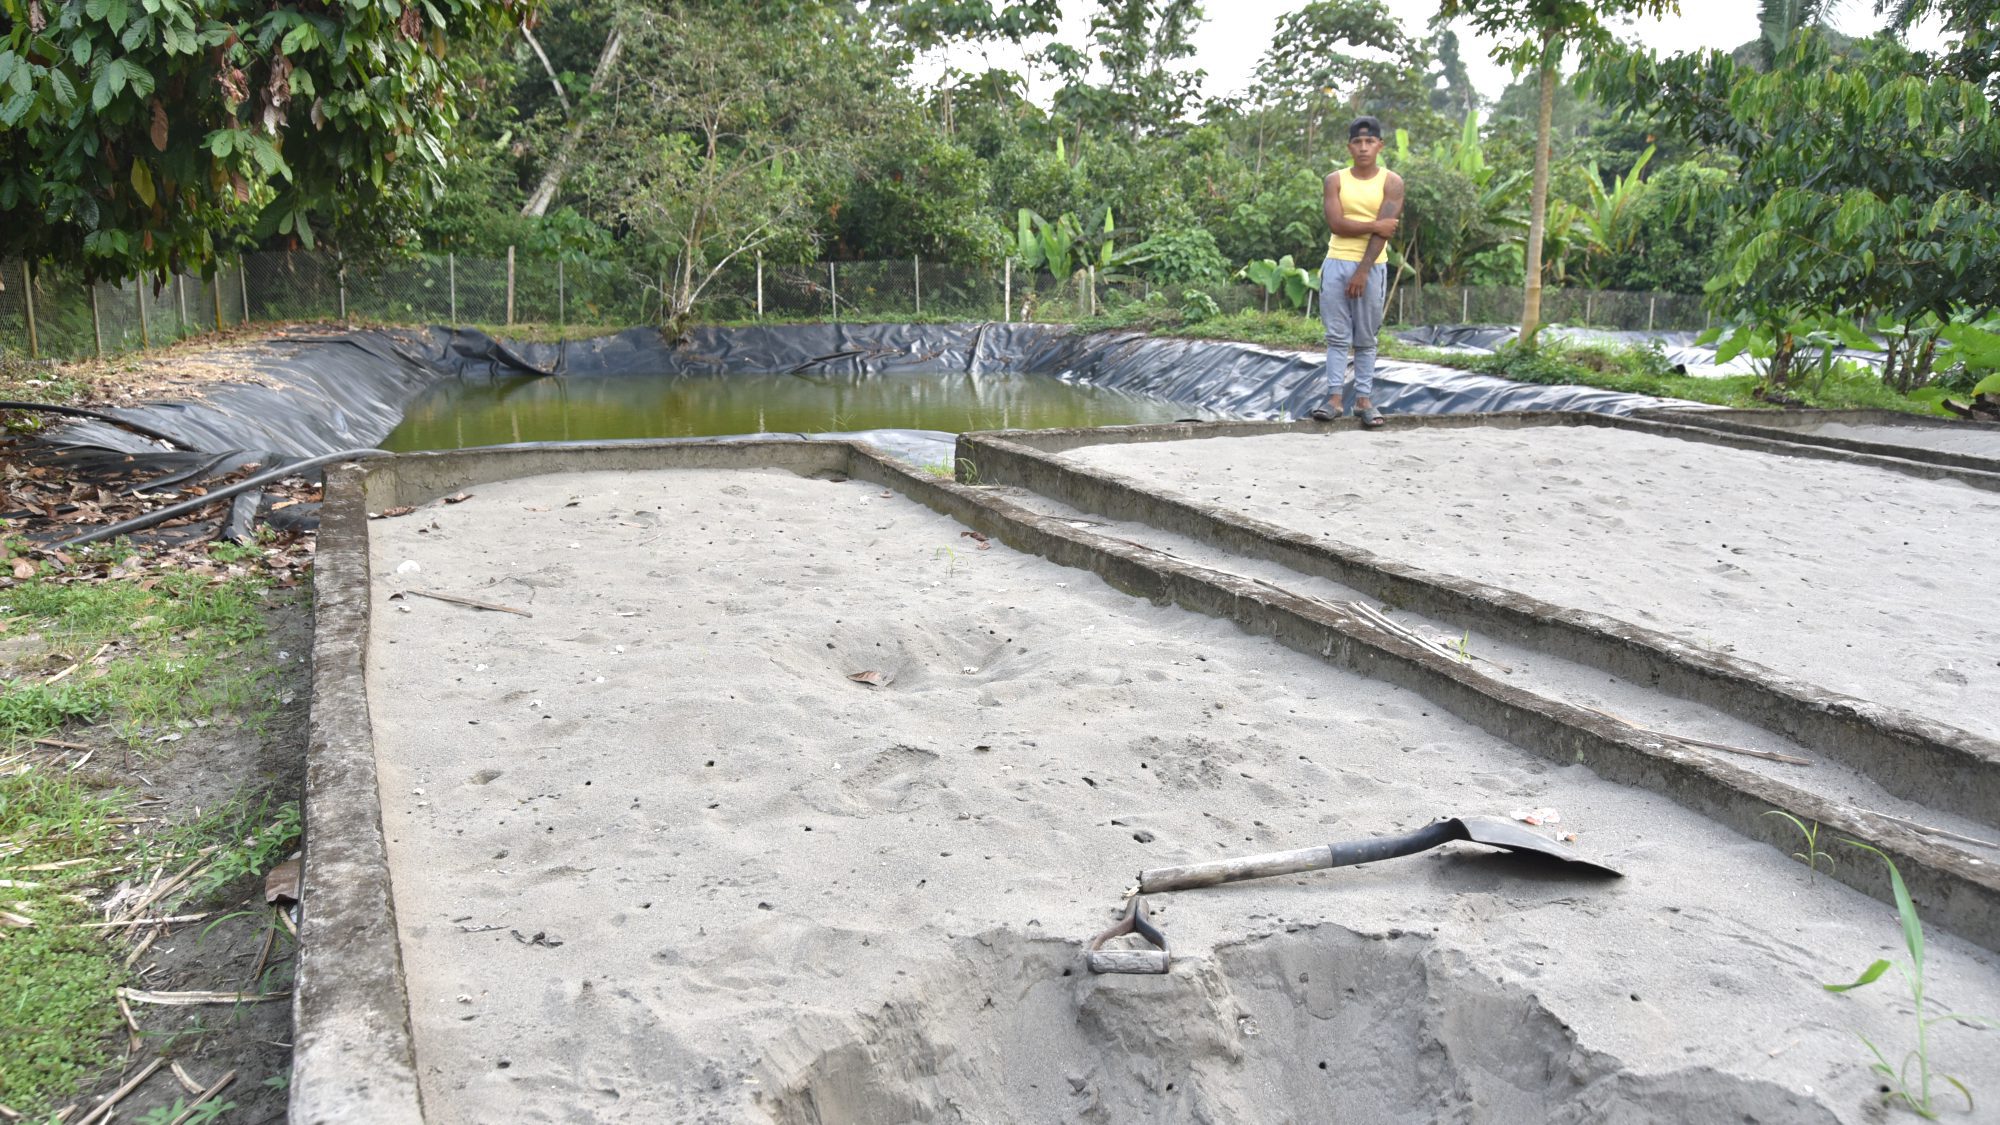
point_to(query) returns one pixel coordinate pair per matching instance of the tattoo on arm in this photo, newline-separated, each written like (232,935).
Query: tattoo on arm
(1392,207)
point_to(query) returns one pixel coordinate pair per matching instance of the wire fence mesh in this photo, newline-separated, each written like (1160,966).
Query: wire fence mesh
(50,311)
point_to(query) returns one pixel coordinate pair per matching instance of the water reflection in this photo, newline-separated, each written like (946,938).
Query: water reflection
(455,415)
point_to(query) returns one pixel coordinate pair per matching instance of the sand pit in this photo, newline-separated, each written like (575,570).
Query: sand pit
(1862,581)
(656,857)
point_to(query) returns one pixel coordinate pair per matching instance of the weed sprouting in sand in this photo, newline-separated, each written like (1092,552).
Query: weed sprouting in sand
(1917,1096)
(1812,855)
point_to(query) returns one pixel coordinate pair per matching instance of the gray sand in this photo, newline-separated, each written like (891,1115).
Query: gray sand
(1866,582)
(748,888)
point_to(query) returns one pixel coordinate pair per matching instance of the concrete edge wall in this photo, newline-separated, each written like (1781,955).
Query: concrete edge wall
(354,1055)
(1795,427)
(1958,892)
(1907,754)
(352,1059)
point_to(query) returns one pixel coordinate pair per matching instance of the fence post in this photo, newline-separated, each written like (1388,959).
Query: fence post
(145,334)
(243,277)
(1402,306)
(341,275)
(96,323)
(451,282)
(1589,309)
(1007,292)
(215,297)
(181,298)
(760,285)
(833,291)
(917,281)
(1090,279)
(28,299)
(510,285)
(1651,303)
(562,300)
(1465,305)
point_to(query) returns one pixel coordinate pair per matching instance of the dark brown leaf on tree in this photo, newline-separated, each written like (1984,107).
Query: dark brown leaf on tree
(159,131)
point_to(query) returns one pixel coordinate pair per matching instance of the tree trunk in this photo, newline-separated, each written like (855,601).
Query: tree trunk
(552,177)
(1538,200)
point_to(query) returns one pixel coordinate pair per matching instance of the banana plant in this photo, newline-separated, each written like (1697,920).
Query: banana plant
(1609,222)
(1039,242)
(1282,279)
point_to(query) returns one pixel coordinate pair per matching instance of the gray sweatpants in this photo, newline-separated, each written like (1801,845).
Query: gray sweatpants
(1350,325)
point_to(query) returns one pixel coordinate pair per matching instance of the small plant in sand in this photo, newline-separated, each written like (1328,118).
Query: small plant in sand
(939,469)
(1812,855)
(950,558)
(1917,1096)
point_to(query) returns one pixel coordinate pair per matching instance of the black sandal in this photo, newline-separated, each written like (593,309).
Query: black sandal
(1321,414)
(1371,418)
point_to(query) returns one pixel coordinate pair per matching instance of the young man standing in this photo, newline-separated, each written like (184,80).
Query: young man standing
(1363,202)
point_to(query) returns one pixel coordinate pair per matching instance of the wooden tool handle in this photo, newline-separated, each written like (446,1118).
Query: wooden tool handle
(1233,870)
(1305,859)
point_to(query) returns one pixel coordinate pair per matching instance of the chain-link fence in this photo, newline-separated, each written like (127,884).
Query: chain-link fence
(1593,308)
(50,311)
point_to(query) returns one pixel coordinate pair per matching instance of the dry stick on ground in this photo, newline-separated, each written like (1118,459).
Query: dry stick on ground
(61,745)
(192,999)
(187,1080)
(123,922)
(263,955)
(1930,830)
(188,1113)
(114,1097)
(456,600)
(1767,755)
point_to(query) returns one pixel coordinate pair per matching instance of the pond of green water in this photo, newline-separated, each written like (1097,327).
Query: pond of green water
(456,415)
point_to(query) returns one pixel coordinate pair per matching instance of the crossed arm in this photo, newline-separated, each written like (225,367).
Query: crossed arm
(1377,230)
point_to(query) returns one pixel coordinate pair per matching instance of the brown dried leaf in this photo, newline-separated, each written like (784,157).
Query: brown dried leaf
(159,130)
(983,541)
(282,884)
(458,499)
(872,678)
(23,569)
(389,513)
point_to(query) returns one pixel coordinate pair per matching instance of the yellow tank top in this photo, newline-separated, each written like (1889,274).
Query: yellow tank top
(1360,201)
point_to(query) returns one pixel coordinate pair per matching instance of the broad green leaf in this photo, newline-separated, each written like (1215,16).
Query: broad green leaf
(79,50)
(1868,976)
(1987,386)
(305,231)
(140,78)
(64,89)
(142,182)
(15,108)
(101,92)
(116,12)
(221,143)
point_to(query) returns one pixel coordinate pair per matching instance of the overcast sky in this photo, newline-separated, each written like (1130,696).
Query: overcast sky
(1237,32)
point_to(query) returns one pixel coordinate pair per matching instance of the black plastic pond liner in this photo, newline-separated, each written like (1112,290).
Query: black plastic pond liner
(323,394)
(1679,347)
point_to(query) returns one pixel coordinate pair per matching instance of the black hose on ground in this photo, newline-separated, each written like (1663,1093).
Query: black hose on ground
(172,479)
(162,515)
(80,412)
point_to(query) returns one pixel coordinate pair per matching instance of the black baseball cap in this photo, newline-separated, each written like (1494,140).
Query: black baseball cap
(1365,127)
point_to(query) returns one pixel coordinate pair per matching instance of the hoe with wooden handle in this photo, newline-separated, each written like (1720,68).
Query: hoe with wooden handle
(1490,830)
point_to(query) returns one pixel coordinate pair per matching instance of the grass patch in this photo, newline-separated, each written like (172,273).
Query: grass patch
(176,638)
(57,1009)
(156,649)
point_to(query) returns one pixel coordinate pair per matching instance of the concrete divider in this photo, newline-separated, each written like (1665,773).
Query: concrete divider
(1912,756)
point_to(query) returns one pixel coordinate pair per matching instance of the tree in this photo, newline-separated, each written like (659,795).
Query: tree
(1538,33)
(1866,187)
(727,131)
(1339,58)
(1137,42)
(148,135)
